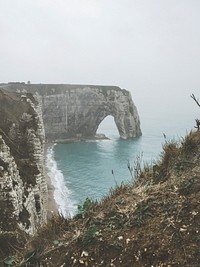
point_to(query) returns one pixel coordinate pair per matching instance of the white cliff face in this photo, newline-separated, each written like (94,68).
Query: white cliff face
(75,111)
(68,111)
(23,187)
(11,189)
(78,112)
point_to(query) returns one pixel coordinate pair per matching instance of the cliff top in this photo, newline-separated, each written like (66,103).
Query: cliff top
(44,89)
(154,221)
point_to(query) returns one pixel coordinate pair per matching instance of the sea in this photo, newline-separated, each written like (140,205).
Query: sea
(90,169)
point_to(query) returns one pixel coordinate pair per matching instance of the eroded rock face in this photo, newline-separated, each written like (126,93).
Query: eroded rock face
(68,111)
(23,187)
(75,111)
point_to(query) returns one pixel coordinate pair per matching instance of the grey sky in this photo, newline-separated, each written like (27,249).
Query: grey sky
(150,47)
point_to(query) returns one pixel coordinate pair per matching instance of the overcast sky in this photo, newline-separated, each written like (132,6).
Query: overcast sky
(150,47)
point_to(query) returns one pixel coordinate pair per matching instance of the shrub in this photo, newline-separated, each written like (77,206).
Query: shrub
(190,143)
(90,235)
(169,156)
(83,209)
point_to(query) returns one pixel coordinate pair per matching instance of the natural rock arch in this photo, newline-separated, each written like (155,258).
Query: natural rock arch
(107,127)
(119,123)
(75,111)
(83,109)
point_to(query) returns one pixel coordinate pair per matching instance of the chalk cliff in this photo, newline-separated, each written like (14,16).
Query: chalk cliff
(68,111)
(23,187)
(75,111)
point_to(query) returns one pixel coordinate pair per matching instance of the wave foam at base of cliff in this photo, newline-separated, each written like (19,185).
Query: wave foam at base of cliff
(62,195)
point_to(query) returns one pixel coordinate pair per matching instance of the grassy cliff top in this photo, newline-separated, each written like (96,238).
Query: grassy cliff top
(155,221)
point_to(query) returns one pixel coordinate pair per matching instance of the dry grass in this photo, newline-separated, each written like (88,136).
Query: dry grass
(154,221)
(190,144)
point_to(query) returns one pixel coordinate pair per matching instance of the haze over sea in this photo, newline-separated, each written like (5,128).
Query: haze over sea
(92,168)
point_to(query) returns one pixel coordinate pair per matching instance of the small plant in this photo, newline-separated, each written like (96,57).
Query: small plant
(9,261)
(83,209)
(114,178)
(130,169)
(32,256)
(138,166)
(142,212)
(137,169)
(197,126)
(90,235)
(169,157)
(190,143)
(190,186)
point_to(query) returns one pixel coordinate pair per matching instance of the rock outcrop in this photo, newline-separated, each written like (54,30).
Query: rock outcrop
(23,187)
(68,112)
(75,111)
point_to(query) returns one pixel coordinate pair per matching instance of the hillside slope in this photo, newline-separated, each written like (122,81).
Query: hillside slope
(152,222)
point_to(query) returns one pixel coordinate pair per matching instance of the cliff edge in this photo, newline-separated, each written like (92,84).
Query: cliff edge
(23,187)
(155,221)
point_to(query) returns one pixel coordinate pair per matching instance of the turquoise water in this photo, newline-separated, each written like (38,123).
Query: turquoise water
(90,169)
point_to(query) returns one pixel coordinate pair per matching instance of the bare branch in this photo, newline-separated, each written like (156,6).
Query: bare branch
(196,100)
(197,124)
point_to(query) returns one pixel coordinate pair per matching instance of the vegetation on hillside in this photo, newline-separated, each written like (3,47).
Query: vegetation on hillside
(153,221)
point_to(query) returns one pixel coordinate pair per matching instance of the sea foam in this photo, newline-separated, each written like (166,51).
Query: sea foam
(62,195)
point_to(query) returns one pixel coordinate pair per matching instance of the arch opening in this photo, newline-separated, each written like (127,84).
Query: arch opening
(108,127)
